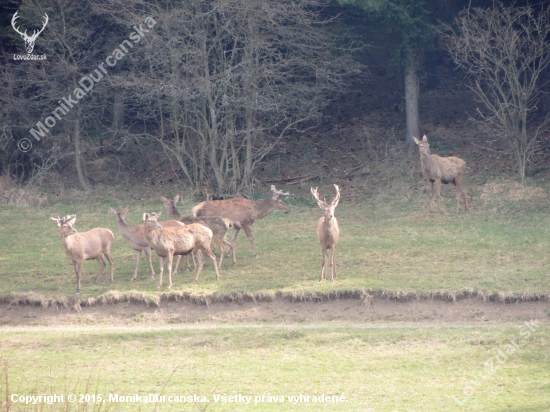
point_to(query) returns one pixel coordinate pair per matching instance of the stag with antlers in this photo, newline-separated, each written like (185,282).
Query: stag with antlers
(29,40)
(328,231)
(243,212)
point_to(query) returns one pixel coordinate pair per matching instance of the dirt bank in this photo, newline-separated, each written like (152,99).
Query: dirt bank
(281,311)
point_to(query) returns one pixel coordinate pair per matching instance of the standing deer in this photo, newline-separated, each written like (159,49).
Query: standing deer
(136,236)
(328,231)
(243,212)
(441,170)
(218,225)
(85,246)
(183,240)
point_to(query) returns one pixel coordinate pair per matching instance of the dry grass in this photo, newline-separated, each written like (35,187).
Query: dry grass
(114,297)
(10,193)
(494,192)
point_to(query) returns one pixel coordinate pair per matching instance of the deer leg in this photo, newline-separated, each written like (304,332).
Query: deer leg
(138,258)
(147,251)
(232,247)
(177,265)
(161,263)
(212,256)
(323,266)
(458,196)
(431,195)
(249,235)
(460,192)
(170,260)
(332,263)
(438,194)
(111,265)
(200,265)
(235,233)
(222,252)
(77,270)
(101,267)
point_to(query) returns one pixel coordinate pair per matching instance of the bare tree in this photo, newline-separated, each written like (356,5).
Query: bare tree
(225,80)
(504,51)
(56,105)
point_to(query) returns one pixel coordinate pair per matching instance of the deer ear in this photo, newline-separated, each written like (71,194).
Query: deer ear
(57,220)
(145,217)
(72,220)
(126,210)
(113,211)
(416,140)
(425,139)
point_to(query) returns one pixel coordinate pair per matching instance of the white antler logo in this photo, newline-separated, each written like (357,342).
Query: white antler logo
(29,40)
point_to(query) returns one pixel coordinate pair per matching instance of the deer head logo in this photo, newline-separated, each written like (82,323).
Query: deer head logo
(29,40)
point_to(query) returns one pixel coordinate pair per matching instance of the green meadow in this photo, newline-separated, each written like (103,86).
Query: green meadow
(392,247)
(395,247)
(356,367)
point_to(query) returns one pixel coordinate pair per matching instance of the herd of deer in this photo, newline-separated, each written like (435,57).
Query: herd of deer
(210,220)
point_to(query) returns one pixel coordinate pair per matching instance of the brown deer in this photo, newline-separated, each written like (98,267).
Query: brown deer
(218,226)
(328,231)
(183,240)
(243,212)
(85,246)
(136,236)
(441,170)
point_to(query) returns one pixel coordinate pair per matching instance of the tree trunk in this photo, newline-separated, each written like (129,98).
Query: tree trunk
(411,100)
(118,110)
(78,155)
(431,65)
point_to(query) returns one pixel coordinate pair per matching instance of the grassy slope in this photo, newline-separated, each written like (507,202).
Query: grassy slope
(401,368)
(383,246)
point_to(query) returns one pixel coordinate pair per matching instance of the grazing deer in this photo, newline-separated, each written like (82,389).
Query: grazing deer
(85,246)
(441,170)
(183,240)
(328,231)
(243,212)
(218,226)
(136,236)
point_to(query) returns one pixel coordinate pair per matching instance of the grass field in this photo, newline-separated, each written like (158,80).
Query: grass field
(377,368)
(395,247)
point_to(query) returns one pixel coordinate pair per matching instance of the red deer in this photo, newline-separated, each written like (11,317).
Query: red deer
(218,226)
(441,170)
(243,212)
(170,241)
(85,246)
(136,236)
(328,231)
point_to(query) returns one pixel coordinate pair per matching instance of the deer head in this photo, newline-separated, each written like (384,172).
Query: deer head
(423,145)
(29,40)
(151,219)
(279,205)
(328,208)
(65,224)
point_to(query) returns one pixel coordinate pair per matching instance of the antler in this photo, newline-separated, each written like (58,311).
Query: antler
(35,32)
(337,198)
(278,192)
(320,202)
(15,17)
